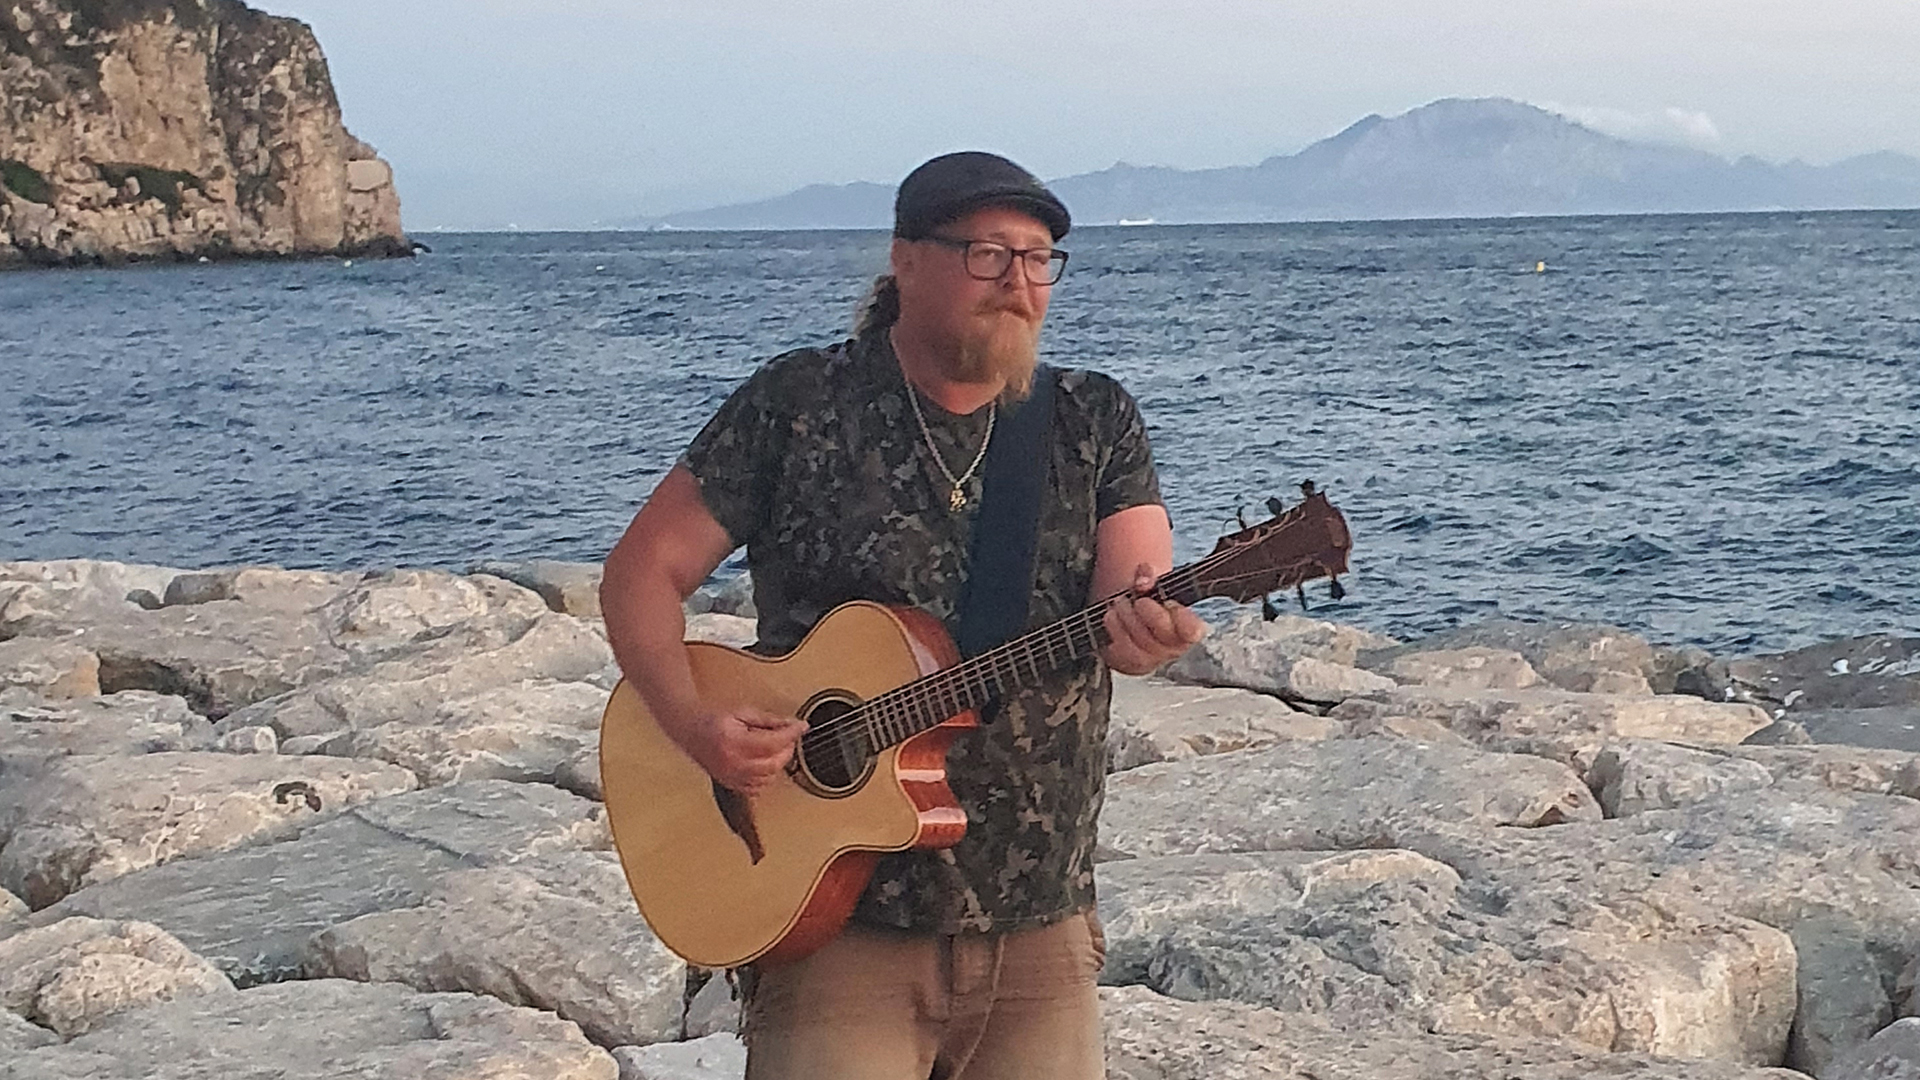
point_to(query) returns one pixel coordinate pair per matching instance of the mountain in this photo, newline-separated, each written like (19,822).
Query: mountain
(1485,157)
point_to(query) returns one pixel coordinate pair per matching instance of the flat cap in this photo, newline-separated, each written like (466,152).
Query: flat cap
(953,185)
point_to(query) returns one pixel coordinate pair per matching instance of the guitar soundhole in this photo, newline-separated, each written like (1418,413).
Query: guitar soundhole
(834,757)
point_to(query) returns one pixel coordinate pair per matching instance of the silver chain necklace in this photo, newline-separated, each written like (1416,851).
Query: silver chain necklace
(958,498)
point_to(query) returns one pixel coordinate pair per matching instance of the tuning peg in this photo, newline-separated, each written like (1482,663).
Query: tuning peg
(1308,487)
(1300,591)
(1336,590)
(1275,506)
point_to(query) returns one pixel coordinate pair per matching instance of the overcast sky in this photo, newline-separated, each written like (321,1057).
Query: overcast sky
(564,113)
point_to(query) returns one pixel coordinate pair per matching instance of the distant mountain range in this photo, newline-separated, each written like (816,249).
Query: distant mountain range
(1485,157)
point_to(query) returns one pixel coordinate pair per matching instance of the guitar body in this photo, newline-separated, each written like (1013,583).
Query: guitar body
(723,880)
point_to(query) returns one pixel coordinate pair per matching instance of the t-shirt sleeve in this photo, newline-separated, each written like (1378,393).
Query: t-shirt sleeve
(734,457)
(1127,477)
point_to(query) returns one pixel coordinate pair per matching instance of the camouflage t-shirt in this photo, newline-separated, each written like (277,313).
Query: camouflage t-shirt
(817,466)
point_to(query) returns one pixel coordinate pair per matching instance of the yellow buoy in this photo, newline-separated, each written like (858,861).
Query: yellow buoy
(1540,267)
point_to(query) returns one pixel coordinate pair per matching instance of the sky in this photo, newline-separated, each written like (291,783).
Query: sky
(574,113)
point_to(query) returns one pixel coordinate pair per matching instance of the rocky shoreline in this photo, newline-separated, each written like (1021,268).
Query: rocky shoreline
(347,824)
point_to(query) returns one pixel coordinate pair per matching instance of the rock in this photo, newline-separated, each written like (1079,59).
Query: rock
(1380,940)
(580,774)
(1151,1037)
(1690,670)
(526,732)
(446,681)
(716,1057)
(1876,671)
(1892,1054)
(72,591)
(558,933)
(1567,727)
(570,588)
(733,597)
(1841,999)
(86,820)
(1158,720)
(1582,657)
(714,1009)
(1894,727)
(1330,795)
(722,629)
(1842,768)
(1472,668)
(51,669)
(133,159)
(17,1033)
(1906,987)
(325,1028)
(34,731)
(1259,655)
(70,975)
(1781,732)
(248,740)
(1413,728)
(251,910)
(13,913)
(1637,775)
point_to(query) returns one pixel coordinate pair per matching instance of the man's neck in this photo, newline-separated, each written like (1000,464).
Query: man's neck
(925,371)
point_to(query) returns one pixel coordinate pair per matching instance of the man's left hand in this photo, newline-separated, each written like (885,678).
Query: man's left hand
(1146,632)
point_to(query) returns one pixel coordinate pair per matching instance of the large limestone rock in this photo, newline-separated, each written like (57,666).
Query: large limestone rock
(1892,1054)
(1383,940)
(1330,795)
(1157,720)
(51,669)
(1472,668)
(327,1029)
(252,910)
(156,130)
(1582,657)
(1151,1037)
(1567,727)
(1842,999)
(85,820)
(72,974)
(1636,775)
(567,587)
(715,1057)
(35,731)
(76,589)
(1876,671)
(1292,656)
(13,913)
(558,932)
(527,731)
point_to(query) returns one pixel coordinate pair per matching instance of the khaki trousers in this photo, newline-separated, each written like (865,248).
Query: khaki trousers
(879,1004)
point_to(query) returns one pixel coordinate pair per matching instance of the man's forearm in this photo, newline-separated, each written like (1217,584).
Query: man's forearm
(647,627)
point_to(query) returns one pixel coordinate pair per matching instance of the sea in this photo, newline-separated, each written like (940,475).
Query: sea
(1704,428)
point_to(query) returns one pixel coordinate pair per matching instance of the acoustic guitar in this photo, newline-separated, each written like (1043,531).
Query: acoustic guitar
(724,880)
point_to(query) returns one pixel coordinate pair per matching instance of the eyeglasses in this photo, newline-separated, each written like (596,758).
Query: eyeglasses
(988,261)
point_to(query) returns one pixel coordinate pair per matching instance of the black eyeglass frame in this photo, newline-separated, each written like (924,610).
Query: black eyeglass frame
(1056,258)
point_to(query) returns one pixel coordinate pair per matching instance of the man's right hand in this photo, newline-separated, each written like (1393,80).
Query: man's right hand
(743,748)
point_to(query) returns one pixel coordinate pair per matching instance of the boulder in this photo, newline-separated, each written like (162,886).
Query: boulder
(1842,768)
(1566,727)
(714,1008)
(1689,670)
(1892,1054)
(252,910)
(1330,795)
(1781,732)
(70,975)
(525,731)
(1383,940)
(557,932)
(1876,671)
(1582,657)
(51,669)
(72,592)
(1152,1037)
(1894,727)
(13,913)
(720,628)
(35,731)
(85,820)
(248,740)
(733,596)
(580,774)
(329,1028)
(1906,987)
(1637,775)
(567,587)
(1248,648)
(720,1056)
(1842,1001)
(1157,720)
(1472,668)
(443,681)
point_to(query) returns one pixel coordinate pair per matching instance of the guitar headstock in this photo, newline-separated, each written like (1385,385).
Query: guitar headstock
(1298,544)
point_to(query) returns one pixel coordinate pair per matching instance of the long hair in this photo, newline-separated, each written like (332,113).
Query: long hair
(881,308)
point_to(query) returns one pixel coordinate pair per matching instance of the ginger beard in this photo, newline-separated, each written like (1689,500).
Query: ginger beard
(1000,342)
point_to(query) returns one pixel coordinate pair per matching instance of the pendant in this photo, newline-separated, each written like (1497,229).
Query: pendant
(957,500)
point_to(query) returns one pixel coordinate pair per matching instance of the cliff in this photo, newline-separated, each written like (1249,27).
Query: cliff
(174,129)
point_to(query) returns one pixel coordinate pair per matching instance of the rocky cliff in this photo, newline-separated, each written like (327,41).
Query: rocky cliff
(173,129)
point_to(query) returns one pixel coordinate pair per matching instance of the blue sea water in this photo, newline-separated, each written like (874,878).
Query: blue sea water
(1706,428)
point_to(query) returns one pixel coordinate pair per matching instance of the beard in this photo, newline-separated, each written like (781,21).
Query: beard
(1002,345)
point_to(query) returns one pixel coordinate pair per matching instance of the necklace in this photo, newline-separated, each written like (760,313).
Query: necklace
(958,497)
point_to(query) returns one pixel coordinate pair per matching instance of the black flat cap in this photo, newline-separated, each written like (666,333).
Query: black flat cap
(953,185)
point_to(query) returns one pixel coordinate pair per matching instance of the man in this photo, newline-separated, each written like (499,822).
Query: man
(854,472)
